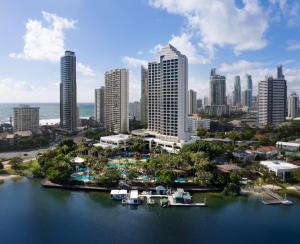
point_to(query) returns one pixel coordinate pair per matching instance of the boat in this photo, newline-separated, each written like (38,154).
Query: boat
(164,202)
(118,194)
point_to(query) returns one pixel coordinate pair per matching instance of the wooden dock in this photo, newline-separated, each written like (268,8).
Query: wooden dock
(172,203)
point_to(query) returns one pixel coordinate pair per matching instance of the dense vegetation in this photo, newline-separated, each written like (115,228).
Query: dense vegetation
(23,143)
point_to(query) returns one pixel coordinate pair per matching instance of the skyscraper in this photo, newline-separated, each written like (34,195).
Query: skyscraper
(68,96)
(26,118)
(199,105)
(237,91)
(100,105)
(218,101)
(247,93)
(293,105)
(217,89)
(116,101)
(144,96)
(272,99)
(167,101)
(192,102)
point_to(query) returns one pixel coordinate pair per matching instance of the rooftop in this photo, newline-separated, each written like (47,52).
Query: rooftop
(278,165)
(266,149)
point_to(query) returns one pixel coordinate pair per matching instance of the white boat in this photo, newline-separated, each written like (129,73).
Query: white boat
(118,194)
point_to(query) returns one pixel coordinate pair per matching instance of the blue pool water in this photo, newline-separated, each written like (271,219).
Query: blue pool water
(82,177)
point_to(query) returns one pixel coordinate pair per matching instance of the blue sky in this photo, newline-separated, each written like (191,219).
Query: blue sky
(236,37)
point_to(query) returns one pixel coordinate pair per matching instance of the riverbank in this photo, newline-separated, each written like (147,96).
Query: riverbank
(49,184)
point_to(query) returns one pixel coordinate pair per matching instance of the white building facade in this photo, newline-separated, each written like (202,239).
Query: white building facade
(167,97)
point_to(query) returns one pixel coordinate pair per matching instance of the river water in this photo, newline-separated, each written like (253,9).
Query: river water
(32,214)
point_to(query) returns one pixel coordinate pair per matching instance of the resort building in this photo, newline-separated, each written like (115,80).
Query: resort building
(100,105)
(167,96)
(272,99)
(26,118)
(114,141)
(68,95)
(282,169)
(116,101)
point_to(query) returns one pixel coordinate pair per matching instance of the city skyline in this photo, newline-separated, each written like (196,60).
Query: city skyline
(30,65)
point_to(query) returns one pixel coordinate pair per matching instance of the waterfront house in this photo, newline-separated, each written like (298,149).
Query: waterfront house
(293,146)
(267,151)
(282,169)
(133,198)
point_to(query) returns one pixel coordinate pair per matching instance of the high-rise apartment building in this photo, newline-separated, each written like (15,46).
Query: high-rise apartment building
(144,96)
(25,118)
(167,100)
(293,106)
(116,101)
(199,105)
(237,91)
(68,95)
(100,105)
(192,102)
(272,99)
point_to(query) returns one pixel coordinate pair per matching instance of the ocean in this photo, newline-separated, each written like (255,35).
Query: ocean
(49,112)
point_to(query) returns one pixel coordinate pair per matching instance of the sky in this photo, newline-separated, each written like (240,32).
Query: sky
(237,37)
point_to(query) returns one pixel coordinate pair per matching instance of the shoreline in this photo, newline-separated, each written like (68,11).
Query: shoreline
(49,184)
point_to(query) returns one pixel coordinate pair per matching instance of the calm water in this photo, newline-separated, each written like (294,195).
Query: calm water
(48,111)
(32,214)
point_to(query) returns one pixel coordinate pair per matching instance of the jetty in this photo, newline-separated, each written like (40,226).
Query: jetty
(270,198)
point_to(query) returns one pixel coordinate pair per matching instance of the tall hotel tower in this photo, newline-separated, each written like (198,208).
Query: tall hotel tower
(167,101)
(116,101)
(68,96)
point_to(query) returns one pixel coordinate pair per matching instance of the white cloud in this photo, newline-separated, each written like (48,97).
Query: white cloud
(134,62)
(156,49)
(293,47)
(185,46)
(221,23)
(45,42)
(12,90)
(85,70)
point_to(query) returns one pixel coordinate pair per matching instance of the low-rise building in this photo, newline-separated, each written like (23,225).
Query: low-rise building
(282,169)
(267,151)
(114,141)
(245,156)
(195,122)
(289,146)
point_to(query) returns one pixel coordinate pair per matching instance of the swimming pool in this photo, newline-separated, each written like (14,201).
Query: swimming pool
(81,177)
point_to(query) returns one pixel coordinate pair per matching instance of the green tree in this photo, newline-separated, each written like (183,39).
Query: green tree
(204,178)
(166,177)
(232,189)
(16,162)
